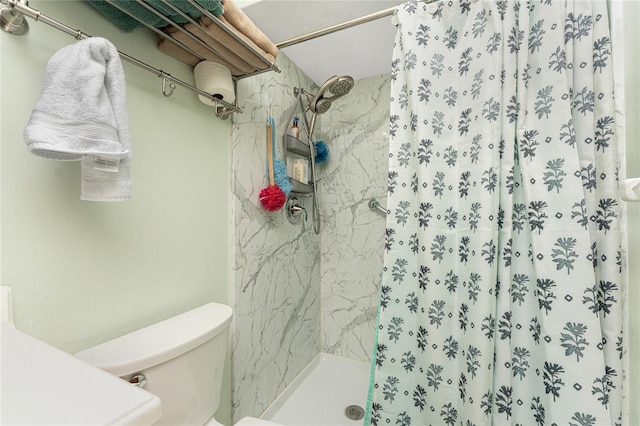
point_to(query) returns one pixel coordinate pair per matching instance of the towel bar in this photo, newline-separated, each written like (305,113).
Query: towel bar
(375,205)
(17,8)
(177,28)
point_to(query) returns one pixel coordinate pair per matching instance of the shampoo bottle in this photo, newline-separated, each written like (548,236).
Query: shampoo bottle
(294,130)
(299,172)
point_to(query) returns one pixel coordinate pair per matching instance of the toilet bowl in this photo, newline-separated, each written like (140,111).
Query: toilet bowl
(180,360)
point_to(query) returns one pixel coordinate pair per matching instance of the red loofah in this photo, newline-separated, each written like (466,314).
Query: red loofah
(272,198)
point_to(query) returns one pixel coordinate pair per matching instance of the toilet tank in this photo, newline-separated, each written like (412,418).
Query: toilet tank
(182,359)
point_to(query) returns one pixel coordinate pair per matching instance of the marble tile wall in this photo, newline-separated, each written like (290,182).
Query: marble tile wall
(275,265)
(355,129)
(286,278)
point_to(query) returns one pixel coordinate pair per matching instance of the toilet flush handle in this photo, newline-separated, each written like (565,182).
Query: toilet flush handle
(139,380)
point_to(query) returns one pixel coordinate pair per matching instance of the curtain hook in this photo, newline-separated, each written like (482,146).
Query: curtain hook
(172,87)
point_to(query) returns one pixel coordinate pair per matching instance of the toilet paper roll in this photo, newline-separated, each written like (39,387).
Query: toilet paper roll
(630,189)
(214,78)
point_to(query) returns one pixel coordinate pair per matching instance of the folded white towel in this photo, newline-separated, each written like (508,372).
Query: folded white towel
(82,115)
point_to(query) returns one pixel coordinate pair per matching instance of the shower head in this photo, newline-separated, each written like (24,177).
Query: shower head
(337,86)
(340,86)
(318,103)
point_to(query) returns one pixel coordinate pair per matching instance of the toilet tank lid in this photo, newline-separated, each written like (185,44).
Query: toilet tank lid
(159,342)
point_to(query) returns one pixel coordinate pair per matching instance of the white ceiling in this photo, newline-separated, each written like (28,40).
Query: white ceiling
(361,51)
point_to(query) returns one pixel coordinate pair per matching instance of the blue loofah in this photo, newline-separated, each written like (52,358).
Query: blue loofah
(280,177)
(322,151)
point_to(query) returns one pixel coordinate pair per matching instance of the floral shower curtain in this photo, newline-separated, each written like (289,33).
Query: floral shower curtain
(501,300)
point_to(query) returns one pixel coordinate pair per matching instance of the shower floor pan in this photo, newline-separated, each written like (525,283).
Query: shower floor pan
(329,392)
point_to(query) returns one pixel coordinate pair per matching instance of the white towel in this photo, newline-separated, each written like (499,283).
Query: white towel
(82,115)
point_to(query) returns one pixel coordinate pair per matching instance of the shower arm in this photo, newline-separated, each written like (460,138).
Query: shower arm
(315,200)
(301,91)
(309,130)
(319,104)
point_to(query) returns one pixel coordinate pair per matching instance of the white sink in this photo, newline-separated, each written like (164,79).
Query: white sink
(42,385)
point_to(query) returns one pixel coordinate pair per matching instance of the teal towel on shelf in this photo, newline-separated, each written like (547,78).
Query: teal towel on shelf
(128,24)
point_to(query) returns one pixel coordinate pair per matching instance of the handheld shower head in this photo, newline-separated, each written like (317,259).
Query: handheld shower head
(337,86)
(319,104)
(341,85)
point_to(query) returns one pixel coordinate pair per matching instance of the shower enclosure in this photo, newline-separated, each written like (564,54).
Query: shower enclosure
(286,283)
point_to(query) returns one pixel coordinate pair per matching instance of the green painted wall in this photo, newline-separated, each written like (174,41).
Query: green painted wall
(84,272)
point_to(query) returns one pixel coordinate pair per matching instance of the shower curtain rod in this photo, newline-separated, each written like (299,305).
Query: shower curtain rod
(338,27)
(223,109)
(343,26)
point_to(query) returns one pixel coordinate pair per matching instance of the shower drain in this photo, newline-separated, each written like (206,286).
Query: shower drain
(354,412)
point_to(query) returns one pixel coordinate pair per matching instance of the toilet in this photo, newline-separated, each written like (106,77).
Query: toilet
(180,360)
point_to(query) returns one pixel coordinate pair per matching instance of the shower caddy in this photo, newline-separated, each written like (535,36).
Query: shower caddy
(298,147)
(12,13)
(294,145)
(318,104)
(293,207)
